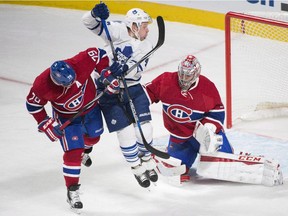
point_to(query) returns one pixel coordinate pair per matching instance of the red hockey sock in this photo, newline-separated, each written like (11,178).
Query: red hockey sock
(72,166)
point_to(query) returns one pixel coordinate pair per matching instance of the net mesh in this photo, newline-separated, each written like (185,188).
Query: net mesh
(259,65)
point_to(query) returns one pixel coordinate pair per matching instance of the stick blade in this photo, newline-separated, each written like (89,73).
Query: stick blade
(161,30)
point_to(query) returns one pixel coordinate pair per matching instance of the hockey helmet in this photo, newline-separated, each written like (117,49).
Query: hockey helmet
(137,16)
(189,70)
(62,74)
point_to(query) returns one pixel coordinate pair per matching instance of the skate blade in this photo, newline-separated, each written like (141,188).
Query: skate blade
(154,183)
(76,211)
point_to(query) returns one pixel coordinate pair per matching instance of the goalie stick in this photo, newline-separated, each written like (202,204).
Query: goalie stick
(161,39)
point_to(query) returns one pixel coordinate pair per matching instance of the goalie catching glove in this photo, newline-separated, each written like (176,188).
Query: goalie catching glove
(206,136)
(50,127)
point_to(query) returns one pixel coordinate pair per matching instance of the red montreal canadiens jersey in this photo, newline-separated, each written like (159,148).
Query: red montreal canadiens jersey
(182,109)
(67,101)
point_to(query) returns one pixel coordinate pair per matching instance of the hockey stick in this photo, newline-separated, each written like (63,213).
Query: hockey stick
(135,116)
(86,107)
(109,39)
(161,38)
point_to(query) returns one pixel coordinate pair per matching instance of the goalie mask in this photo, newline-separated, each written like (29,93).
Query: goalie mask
(189,70)
(62,74)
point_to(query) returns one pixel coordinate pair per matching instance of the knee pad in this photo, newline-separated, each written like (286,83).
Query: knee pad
(126,136)
(147,132)
(90,141)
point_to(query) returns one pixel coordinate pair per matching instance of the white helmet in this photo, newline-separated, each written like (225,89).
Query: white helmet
(137,16)
(189,70)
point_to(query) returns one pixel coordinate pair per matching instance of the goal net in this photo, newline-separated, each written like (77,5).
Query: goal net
(256,66)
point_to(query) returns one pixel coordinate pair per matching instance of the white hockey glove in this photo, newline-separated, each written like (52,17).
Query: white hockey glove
(205,135)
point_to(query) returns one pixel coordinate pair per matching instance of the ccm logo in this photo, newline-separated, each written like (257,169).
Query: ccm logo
(249,158)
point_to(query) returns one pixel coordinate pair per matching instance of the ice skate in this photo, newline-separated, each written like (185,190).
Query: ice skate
(185,177)
(73,198)
(150,166)
(86,160)
(140,175)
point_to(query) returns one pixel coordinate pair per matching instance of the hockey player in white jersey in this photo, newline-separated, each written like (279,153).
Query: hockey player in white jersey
(129,40)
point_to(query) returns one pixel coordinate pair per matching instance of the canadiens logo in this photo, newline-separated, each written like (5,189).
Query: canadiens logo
(75,102)
(75,138)
(179,113)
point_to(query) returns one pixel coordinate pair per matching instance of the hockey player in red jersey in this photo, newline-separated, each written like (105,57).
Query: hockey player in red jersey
(194,114)
(69,85)
(188,97)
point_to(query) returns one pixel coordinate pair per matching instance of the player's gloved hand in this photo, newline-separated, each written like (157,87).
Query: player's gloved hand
(117,69)
(110,81)
(125,68)
(50,127)
(101,10)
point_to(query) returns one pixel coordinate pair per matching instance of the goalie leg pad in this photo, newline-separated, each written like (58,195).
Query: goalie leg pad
(240,168)
(169,167)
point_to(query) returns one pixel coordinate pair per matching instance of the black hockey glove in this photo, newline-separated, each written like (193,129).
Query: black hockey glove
(117,69)
(101,10)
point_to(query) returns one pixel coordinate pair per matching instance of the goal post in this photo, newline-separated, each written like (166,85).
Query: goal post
(256,57)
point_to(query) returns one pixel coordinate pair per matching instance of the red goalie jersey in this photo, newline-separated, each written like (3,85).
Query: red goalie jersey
(181,109)
(66,101)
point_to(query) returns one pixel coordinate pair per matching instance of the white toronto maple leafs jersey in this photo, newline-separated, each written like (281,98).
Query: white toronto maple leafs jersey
(128,49)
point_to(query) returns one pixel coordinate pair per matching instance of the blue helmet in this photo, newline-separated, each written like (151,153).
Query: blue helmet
(62,74)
